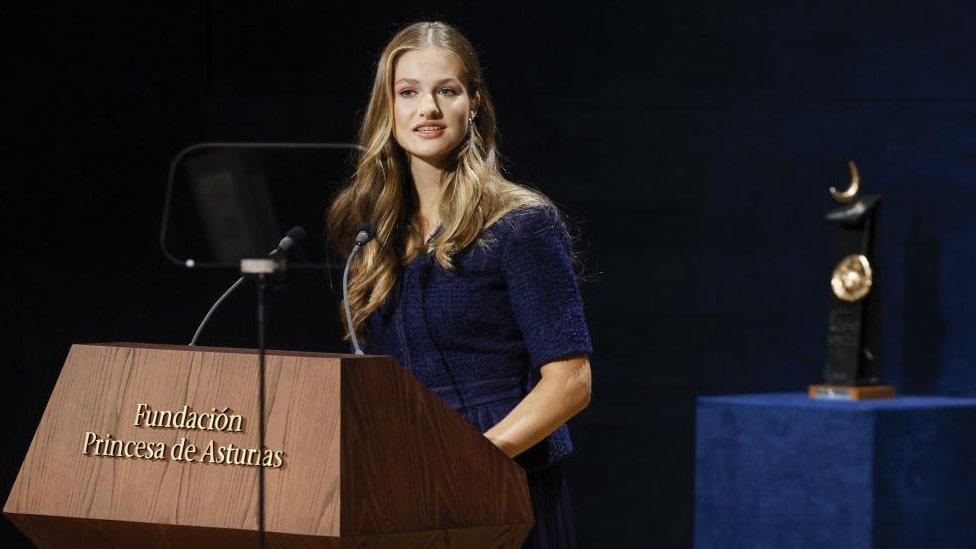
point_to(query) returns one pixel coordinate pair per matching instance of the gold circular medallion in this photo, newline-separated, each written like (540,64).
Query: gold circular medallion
(851,280)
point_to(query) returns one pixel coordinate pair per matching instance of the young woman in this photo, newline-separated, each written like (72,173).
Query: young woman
(469,281)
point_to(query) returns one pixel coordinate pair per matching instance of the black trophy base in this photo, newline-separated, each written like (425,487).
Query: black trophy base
(850,392)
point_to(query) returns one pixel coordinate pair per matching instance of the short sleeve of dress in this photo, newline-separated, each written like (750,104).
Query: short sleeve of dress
(542,286)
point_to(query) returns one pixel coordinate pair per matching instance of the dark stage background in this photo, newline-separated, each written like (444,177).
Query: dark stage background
(694,143)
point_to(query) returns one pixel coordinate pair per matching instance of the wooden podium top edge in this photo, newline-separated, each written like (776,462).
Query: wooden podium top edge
(233,350)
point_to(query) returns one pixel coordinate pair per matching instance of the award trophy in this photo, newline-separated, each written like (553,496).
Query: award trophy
(853,369)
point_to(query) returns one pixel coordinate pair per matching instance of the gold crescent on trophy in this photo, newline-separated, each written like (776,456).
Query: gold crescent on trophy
(851,280)
(851,193)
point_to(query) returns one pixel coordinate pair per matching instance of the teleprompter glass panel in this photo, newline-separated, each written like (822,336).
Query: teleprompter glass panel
(228,201)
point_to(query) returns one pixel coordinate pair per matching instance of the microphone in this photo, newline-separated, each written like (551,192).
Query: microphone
(366,233)
(295,236)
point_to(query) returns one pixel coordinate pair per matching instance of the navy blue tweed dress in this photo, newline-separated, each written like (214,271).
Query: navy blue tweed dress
(477,335)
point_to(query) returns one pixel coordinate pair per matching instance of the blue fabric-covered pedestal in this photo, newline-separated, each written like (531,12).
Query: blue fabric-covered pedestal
(780,470)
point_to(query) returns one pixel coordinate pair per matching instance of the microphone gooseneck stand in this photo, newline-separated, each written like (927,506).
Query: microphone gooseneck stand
(345,300)
(365,234)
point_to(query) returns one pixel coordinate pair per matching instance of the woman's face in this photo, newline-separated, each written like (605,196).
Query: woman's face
(431,104)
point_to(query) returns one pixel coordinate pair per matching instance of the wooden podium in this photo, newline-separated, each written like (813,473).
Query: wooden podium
(358,454)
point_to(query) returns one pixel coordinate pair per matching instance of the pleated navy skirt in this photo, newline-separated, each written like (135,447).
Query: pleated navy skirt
(553,510)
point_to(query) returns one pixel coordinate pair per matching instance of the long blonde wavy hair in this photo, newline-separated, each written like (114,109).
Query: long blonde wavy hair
(475,193)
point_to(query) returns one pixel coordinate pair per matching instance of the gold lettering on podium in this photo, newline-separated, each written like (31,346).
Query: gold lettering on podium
(223,420)
(186,418)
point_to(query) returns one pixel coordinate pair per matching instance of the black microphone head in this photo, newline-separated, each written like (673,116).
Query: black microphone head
(295,235)
(366,233)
